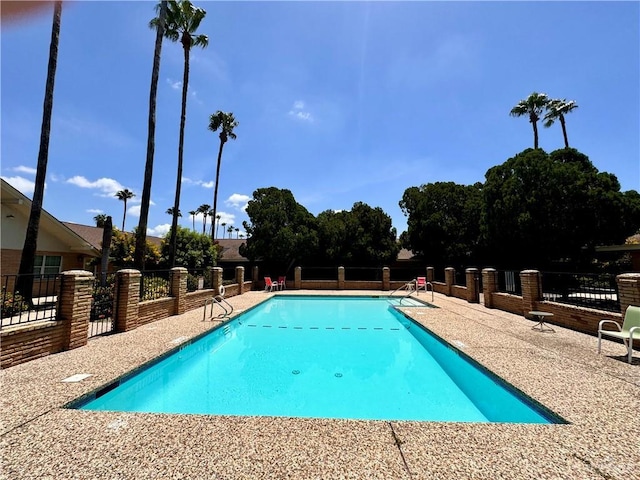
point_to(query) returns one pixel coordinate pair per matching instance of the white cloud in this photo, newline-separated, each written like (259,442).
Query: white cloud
(227,218)
(23,169)
(22,184)
(298,111)
(134,211)
(176,85)
(94,210)
(238,200)
(159,230)
(188,181)
(207,184)
(107,186)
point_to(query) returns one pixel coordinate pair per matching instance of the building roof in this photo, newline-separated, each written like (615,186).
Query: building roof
(230,250)
(93,235)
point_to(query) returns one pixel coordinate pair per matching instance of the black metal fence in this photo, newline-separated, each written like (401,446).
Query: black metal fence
(16,309)
(406,274)
(155,284)
(599,291)
(509,282)
(198,279)
(101,319)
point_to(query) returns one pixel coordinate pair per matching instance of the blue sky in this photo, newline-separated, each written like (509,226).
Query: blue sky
(337,101)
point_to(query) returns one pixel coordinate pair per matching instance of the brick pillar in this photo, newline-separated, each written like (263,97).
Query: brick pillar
(386,278)
(473,293)
(178,282)
(217,279)
(240,279)
(127,299)
(297,278)
(628,290)
(430,274)
(531,290)
(210,276)
(449,279)
(74,307)
(489,285)
(340,278)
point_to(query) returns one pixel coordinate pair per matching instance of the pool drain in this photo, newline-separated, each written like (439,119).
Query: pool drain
(295,372)
(338,375)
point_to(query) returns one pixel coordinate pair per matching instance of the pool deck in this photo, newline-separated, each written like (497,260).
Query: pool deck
(598,394)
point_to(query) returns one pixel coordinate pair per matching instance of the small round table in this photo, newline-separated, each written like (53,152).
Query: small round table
(539,317)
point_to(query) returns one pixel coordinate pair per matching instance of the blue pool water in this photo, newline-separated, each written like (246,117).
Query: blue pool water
(324,357)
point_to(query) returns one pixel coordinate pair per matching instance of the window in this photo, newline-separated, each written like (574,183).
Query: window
(47,264)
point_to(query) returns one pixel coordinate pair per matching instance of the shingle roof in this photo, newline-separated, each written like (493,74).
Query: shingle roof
(93,235)
(230,251)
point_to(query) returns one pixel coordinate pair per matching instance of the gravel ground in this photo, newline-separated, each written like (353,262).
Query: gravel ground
(599,395)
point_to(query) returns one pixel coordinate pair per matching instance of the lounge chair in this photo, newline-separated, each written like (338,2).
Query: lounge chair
(421,283)
(282,283)
(629,330)
(269,285)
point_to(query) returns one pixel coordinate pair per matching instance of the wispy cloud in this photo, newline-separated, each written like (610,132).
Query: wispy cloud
(97,211)
(238,200)
(159,230)
(107,187)
(175,84)
(22,184)
(201,183)
(298,111)
(134,211)
(23,169)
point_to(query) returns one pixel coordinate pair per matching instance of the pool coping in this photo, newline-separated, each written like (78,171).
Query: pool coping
(598,394)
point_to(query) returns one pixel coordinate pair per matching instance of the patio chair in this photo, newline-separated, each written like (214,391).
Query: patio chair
(270,285)
(629,330)
(421,282)
(282,283)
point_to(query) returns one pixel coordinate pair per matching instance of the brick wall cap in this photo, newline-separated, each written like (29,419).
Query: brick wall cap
(489,270)
(385,268)
(449,268)
(530,272)
(77,273)
(628,276)
(217,269)
(472,269)
(130,271)
(179,269)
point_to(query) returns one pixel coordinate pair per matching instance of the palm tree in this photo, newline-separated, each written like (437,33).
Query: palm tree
(124,195)
(100,220)
(25,284)
(556,110)
(141,231)
(223,230)
(193,214)
(237,232)
(218,217)
(183,19)
(532,106)
(211,226)
(170,212)
(204,210)
(230,230)
(226,123)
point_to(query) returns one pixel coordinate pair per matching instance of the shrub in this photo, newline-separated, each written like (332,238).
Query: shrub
(154,287)
(12,304)
(102,304)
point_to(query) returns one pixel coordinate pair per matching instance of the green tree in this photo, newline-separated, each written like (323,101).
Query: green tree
(204,210)
(182,22)
(25,283)
(226,123)
(443,224)
(124,195)
(100,220)
(280,231)
(194,250)
(532,107)
(141,236)
(556,110)
(122,251)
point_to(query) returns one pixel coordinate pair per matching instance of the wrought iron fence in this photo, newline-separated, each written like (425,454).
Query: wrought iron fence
(102,304)
(599,291)
(509,282)
(406,274)
(155,284)
(199,279)
(367,274)
(16,309)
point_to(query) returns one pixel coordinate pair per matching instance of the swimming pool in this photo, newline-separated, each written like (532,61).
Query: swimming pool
(322,357)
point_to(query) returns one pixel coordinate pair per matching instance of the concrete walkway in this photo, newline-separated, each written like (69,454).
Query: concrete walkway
(598,394)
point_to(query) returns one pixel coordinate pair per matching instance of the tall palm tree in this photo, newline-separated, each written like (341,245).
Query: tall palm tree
(217,217)
(237,232)
(204,210)
(230,230)
(100,220)
(141,232)
(25,284)
(170,212)
(532,106)
(223,230)
(183,19)
(124,195)
(226,123)
(556,110)
(193,214)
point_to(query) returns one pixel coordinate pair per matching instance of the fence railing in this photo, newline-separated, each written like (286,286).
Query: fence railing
(599,291)
(509,282)
(16,309)
(198,279)
(101,319)
(155,284)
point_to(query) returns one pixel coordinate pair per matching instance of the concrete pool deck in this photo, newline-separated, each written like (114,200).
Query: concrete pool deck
(598,394)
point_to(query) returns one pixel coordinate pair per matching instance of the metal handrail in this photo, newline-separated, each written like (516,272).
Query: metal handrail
(217,300)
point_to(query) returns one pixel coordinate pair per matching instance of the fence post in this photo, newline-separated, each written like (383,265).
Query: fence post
(217,279)
(430,274)
(127,299)
(240,279)
(531,290)
(74,307)
(473,295)
(297,278)
(178,282)
(449,279)
(489,285)
(255,277)
(386,278)
(340,278)
(628,290)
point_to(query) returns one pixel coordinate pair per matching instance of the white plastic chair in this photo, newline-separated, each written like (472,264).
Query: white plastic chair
(627,332)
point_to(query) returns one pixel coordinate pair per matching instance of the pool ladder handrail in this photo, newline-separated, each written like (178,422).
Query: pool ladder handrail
(412,290)
(221,302)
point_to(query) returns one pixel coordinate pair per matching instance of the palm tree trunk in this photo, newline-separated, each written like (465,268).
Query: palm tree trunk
(183,119)
(141,234)
(535,134)
(107,233)
(25,284)
(564,132)
(124,215)
(215,189)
